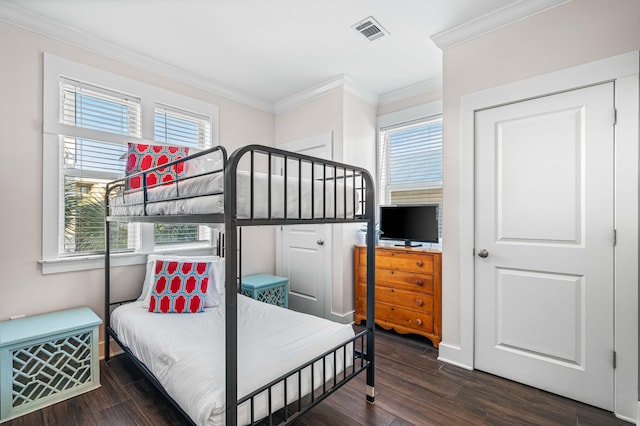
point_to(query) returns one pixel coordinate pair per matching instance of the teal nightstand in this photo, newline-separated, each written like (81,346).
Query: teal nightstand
(267,288)
(47,358)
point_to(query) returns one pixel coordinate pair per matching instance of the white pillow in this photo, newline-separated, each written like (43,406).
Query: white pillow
(214,291)
(203,164)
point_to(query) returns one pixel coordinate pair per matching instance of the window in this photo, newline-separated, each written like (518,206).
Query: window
(176,127)
(410,163)
(89,118)
(88,164)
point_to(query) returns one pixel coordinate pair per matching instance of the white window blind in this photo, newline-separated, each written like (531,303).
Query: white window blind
(91,107)
(179,127)
(411,163)
(89,163)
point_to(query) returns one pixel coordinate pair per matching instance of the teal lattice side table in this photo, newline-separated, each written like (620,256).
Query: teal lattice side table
(267,288)
(47,358)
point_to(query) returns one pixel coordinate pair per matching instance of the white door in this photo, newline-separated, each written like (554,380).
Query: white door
(304,251)
(303,262)
(545,243)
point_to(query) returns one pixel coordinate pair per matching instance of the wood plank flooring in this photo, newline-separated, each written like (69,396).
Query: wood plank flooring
(412,388)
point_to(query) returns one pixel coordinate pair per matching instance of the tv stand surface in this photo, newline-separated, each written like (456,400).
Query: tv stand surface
(408,290)
(409,244)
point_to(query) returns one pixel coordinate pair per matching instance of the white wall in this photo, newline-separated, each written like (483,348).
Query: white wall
(359,149)
(23,288)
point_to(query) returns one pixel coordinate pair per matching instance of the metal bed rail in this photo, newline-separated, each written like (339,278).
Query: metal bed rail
(341,186)
(118,188)
(302,403)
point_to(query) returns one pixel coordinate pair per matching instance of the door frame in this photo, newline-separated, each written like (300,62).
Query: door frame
(623,71)
(326,140)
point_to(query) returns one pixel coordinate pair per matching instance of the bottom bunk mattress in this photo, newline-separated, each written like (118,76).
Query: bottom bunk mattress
(186,353)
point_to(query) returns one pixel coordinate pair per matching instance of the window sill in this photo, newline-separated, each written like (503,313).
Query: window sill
(89,262)
(84,263)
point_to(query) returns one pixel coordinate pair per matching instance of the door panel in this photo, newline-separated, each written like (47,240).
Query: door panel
(306,292)
(527,315)
(546,208)
(544,215)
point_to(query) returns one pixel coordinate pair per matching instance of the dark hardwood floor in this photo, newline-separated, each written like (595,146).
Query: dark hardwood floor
(412,388)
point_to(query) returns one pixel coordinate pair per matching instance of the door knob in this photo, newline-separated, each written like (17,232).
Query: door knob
(483,253)
(320,242)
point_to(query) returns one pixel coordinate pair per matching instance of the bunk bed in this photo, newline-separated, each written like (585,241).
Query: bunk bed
(255,186)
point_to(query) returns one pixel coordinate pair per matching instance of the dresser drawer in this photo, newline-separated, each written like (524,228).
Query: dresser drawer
(401,280)
(400,259)
(405,261)
(408,299)
(421,322)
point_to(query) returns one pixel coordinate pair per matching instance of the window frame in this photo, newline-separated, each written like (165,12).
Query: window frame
(384,162)
(55,67)
(423,112)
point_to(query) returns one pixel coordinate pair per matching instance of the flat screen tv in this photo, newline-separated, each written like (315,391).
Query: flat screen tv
(409,223)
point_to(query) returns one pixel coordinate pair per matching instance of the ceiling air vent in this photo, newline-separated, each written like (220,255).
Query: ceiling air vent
(370,28)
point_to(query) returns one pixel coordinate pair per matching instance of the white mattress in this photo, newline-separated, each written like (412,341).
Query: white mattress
(186,353)
(130,204)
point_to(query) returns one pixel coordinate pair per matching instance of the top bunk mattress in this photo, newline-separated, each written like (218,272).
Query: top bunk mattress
(186,353)
(204,195)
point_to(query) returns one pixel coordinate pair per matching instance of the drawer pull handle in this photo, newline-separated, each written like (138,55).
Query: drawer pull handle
(419,321)
(419,283)
(419,263)
(419,302)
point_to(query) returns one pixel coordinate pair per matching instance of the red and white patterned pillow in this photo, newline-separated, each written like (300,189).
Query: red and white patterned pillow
(215,288)
(179,287)
(141,157)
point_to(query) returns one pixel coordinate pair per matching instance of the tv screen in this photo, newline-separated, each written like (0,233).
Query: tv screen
(409,223)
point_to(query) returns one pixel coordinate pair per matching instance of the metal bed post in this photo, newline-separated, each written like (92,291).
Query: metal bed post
(107,281)
(231,291)
(371,259)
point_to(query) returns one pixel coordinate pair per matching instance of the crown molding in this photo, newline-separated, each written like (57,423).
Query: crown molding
(417,89)
(339,82)
(492,21)
(47,27)
(360,90)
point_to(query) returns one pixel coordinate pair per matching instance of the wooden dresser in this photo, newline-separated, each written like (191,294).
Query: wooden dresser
(408,290)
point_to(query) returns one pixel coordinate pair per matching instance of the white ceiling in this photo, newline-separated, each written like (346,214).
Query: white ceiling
(268,50)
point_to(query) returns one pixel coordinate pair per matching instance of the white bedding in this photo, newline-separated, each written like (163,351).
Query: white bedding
(130,204)
(186,353)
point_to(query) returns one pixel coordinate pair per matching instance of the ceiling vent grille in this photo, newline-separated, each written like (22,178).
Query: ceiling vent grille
(370,28)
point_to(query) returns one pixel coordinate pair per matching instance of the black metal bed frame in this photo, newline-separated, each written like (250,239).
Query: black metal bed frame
(362,344)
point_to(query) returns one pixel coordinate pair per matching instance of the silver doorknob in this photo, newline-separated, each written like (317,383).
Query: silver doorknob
(483,253)
(320,242)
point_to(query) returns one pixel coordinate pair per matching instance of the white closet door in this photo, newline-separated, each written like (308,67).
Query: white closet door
(545,243)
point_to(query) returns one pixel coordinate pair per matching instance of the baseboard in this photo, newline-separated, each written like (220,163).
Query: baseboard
(628,419)
(341,318)
(452,355)
(115,349)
